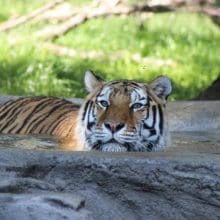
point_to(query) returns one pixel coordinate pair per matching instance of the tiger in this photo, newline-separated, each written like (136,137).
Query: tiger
(116,116)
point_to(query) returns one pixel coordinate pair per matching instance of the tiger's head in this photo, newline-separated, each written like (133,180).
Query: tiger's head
(124,115)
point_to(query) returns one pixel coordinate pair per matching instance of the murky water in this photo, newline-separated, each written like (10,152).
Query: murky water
(202,142)
(28,142)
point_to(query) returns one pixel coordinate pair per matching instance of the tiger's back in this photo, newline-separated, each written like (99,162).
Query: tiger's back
(39,115)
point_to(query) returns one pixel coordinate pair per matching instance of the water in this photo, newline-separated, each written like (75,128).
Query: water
(201,142)
(28,142)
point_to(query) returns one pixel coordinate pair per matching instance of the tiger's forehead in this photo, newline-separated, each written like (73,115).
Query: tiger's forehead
(123,88)
(125,85)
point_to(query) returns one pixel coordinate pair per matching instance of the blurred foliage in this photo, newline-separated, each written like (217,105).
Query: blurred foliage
(190,41)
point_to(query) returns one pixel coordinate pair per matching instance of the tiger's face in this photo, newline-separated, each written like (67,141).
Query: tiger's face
(124,115)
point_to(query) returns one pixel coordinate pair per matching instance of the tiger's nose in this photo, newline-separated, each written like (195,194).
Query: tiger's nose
(114,126)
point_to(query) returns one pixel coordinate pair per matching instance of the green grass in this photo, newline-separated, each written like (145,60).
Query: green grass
(189,41)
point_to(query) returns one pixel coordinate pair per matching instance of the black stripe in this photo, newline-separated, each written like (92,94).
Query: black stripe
(30,126)
(150,147)
(147,116)
(11,118)
(7,115)
(161,119)
(100,95)
(113,83)
(134,85)
(148,111)
(149,99)
(44,116)
(15,101)
(9,131)
(126,89)
(151,128)
(42,128)
(58,121)
(5,105)
(11,107)
(146,126)
(90,125)
(139,96)
(97,146)
(14,114)
(93,111)
(129,83)
(154,109)
(41,105)
(153,132)
(143,98)
(71,108)
(89,109)
(85,110)
(148,102)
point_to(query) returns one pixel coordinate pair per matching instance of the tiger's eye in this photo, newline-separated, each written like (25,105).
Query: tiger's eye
(137,106)
(104,103)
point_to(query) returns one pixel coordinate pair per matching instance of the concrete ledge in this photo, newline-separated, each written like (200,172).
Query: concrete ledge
(194,116)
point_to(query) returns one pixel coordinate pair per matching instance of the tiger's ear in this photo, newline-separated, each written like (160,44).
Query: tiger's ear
(162,87)
(92,81)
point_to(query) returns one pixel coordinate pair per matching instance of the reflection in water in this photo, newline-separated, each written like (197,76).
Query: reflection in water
(202,142)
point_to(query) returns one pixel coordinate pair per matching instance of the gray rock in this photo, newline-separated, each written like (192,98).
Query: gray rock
(42,206)
(166,185)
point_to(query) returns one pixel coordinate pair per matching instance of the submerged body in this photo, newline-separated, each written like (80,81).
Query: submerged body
(118,115)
